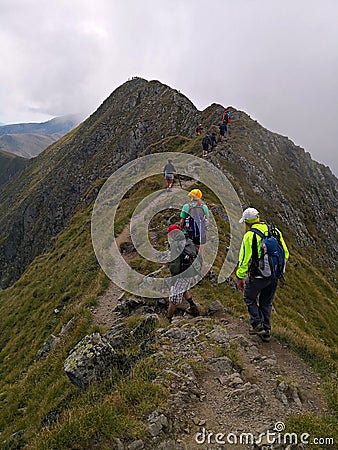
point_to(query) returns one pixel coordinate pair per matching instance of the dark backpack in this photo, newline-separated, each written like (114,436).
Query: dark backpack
(272,259)
(196,222)
(185,258)
(206,140)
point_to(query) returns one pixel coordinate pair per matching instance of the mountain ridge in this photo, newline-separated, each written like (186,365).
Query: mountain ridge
(134,117)
(29,139)
(51,126)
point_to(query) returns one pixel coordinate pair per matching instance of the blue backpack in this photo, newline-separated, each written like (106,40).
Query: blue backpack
(196,222)
(272,259)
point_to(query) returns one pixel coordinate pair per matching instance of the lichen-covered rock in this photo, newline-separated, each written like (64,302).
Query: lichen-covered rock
(96,355)
(89,360)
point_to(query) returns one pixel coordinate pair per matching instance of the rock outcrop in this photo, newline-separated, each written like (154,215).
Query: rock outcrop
(95,355)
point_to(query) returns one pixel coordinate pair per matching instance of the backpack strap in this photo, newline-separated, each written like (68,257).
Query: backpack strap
(254,242)
(254,230)
(254,247)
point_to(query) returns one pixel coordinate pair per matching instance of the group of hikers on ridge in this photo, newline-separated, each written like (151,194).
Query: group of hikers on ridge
(262,256)
(209,141)
(261,262)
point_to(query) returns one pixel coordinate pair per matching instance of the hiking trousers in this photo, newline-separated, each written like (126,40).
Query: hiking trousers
(258,296)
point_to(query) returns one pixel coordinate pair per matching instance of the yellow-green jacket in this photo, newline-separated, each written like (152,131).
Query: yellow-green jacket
(245,253)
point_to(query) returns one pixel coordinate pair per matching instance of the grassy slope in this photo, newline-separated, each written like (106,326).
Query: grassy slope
(9,165)
(42,409)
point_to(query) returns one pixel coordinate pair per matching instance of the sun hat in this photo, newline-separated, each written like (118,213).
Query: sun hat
(195,193)
(250,215)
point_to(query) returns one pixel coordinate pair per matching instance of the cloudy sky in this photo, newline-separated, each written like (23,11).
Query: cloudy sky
(276,60)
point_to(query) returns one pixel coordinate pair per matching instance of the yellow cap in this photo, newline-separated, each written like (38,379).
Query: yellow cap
(195,193)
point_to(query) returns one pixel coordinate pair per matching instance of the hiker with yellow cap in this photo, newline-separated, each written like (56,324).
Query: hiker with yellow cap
(261,264)
(194,219)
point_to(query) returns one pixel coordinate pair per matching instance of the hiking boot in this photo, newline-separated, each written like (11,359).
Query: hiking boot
(266,336)
(257,330)
(193,311)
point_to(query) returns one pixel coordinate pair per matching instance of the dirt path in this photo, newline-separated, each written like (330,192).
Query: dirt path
(251,401)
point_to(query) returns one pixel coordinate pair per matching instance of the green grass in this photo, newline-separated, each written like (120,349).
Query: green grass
(68,280)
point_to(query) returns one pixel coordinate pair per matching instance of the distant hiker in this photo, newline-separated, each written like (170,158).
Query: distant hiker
(262,260)
(169,171)
(199,129)
(223,130)
(225,116)
(194,219)
(183,254)
(206,142)
(213,141)
(226,121)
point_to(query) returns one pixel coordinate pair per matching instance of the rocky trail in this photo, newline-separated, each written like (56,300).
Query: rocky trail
(224,384)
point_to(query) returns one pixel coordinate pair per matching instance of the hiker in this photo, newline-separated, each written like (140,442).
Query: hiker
(199,129)
(259,269)
(169,171)
(226,121)
(179,289)
(225,116)
(206,141)
(213,141)
(194,219)
(222,130)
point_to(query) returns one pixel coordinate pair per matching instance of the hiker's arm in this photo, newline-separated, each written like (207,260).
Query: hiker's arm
(286,251)
(206,210)
(244,256)
(182,223)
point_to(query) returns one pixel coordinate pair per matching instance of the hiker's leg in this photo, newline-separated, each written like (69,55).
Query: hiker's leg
(265,302)
(193,310)
(171,310)
(187,296)
(252,288)
(176,296)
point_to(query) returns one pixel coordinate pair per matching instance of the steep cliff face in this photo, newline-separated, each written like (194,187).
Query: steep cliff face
(266,169)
